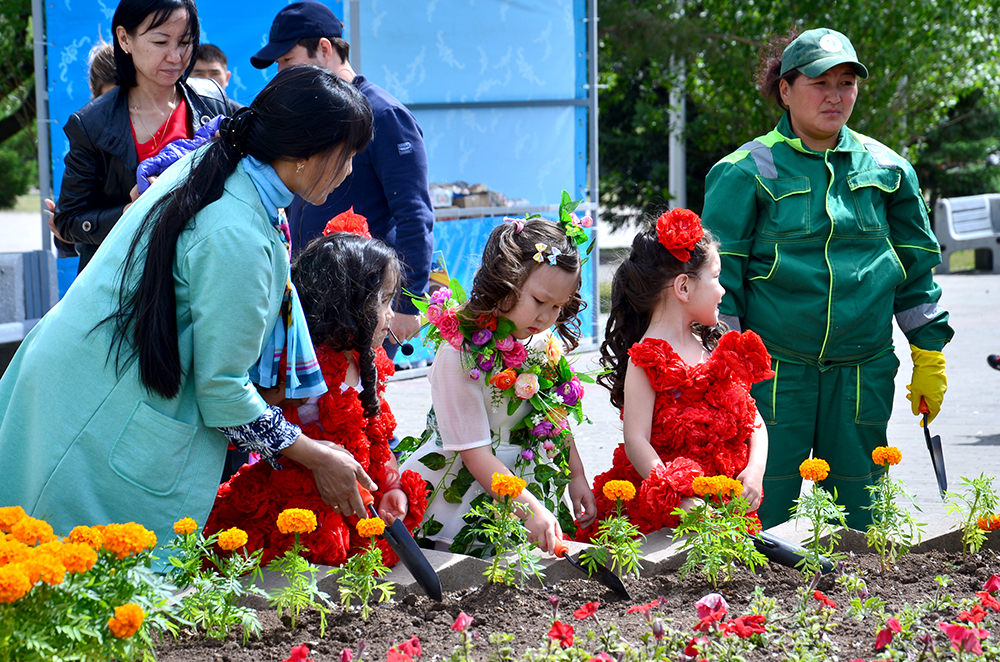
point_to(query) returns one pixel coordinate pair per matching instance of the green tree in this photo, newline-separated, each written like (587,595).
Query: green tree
(17,68)
(922,57)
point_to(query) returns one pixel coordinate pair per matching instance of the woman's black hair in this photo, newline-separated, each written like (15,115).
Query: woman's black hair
(130,14)
(303,111)
(636,290)
(769,70)
(343,281)
(508,262)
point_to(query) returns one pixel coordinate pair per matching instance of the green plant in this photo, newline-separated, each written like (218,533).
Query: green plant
(893,529)
(360,574)
(862,604)
(513,561)
(824,515)
(978,501)
(301,590)
(617,538)
(718,530)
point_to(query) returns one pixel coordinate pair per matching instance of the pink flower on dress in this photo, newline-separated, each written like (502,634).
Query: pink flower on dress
(448,326)
(515,356)
(506,344)
(526,385)
(433,314)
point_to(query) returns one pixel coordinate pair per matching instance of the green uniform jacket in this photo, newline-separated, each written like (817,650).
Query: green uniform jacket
(820,250)
(83,444)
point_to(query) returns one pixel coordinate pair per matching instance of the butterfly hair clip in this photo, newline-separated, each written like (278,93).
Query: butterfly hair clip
(540,255)
(553,255)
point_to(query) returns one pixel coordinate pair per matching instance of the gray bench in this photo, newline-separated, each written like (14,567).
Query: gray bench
(969,222)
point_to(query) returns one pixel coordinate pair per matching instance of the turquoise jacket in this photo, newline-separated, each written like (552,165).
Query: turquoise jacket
(821,250)
(84,443)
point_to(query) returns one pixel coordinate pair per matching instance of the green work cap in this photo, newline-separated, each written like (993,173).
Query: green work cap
(815,51)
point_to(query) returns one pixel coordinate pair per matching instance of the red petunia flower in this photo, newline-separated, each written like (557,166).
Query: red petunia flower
(825,600)
(587,610)
(963,638)
(992,584)
(643,609)
(885,635)
(690,650)
(678,230)
(562,633)
(462,621)
(299,654)
(745,626)
(974,615)
(988,601)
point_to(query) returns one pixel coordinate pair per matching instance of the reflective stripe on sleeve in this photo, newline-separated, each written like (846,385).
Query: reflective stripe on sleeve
(917,316)
(762,158)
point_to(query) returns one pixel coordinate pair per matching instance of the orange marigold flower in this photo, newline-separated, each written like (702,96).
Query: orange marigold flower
(77,557)
(814,469)
(983,524)
(370,527)
(233,538)
(44,567)
(13,551)
(507,485)
(297,520)
(717,486)
(32,531)
(14,583)
(9,515)
(87,535)
(127,539)
(886,455)
(127,620)
(619,489)
(182,527)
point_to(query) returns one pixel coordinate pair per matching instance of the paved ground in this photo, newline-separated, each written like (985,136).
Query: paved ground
(969,424)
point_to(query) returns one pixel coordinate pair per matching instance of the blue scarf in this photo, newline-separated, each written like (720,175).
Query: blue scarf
(290,337)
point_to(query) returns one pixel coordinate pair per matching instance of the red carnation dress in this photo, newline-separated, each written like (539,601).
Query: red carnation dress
(703,418)
(252,498)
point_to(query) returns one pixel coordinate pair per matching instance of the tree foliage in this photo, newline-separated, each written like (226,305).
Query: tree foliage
(17,68)
(922,57)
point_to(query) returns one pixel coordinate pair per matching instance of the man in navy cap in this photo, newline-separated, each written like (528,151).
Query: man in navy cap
(389,183)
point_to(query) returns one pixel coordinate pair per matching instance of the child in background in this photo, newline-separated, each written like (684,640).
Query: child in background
(681,385)
(346,284)
(496,352)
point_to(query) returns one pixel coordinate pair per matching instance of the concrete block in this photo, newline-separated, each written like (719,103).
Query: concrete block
(11,288)
(456,572)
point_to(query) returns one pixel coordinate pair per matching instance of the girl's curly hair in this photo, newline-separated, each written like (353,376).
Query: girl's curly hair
(343,281)
(508,262)
(636,291)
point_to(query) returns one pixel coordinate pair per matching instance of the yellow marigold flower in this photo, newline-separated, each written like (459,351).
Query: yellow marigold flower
(127,620)
(507,485)
(77,557)
(619,489)
(14,583)
(9,515)
(182,527)
(297,520)
(127,539)
(814,469)
(32,531)
(87,535)
(886,455)
(44,567)
(370,527)
(13,551)
(233,538)
(720,486)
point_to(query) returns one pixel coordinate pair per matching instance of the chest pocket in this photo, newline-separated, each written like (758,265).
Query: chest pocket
(788,206)
(870,190)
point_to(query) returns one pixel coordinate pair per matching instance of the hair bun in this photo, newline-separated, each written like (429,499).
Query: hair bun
(236,129)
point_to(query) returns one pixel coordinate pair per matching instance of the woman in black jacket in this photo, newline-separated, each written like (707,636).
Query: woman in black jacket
(155,44)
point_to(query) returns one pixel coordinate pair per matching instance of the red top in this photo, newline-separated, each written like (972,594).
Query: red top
(175,128)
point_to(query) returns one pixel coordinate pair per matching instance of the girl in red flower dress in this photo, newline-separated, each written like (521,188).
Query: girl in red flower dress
(681,385)
(346,284)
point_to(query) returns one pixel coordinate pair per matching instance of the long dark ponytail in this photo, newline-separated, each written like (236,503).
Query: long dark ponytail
(302,112)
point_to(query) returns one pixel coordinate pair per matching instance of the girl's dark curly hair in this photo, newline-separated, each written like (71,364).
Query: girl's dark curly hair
(343,280)
(635,292)
(507,263)
(769,70)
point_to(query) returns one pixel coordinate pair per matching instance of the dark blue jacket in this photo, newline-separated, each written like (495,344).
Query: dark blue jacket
(388,187)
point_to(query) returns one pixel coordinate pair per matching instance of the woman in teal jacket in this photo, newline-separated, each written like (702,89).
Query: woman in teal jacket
(121,402)
(824,238)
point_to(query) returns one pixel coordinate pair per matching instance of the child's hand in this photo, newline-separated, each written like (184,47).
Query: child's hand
(752,479)
(393,505)
(543,529)
(584,503)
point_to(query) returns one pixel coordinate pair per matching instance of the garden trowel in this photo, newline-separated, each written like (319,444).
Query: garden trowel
(937,455)
(601,573)
(402,542)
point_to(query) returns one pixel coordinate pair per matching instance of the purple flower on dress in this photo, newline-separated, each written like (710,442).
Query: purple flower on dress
(543,430)
(570,392)
(441,296)
(486,362)
(474,374)
(528,454)
(481,337)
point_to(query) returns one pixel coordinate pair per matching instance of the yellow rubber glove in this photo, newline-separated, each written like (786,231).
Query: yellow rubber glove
(929,381)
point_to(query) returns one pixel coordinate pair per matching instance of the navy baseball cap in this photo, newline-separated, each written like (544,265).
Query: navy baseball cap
(297,21)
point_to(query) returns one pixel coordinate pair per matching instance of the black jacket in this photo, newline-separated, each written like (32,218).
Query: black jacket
(101,164)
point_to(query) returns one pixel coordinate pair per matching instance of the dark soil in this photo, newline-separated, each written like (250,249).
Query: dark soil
(526,614)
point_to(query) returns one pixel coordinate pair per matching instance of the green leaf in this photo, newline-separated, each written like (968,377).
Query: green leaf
(457,291)
(585,378)
(433,461)
(432,526)
(513,405)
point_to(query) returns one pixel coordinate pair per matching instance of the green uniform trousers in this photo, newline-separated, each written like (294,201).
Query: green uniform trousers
(838,414)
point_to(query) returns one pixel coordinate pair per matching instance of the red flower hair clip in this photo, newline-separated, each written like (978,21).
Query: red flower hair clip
(348,221)
(679,230)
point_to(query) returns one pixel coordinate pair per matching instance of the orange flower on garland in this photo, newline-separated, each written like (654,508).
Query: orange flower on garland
(233,538)
(619,489)
(717,486)
(348,221)
(296,520)
(32,531)
(77,557)
(678,230)
(183,527)
(507,485)
(127,620)
(127,539)
(10,515)
(370,527)
(814,469)
(87,535)
(886,455)
(504,380)
(14,583)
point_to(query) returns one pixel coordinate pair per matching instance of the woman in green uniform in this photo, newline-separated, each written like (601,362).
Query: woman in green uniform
(824,238)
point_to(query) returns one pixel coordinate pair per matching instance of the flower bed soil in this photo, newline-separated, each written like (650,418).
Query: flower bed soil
(526,614)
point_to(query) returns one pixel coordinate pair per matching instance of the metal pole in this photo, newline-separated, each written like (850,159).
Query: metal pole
(677,162)
(356,35)
(42,116)
(595,197)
